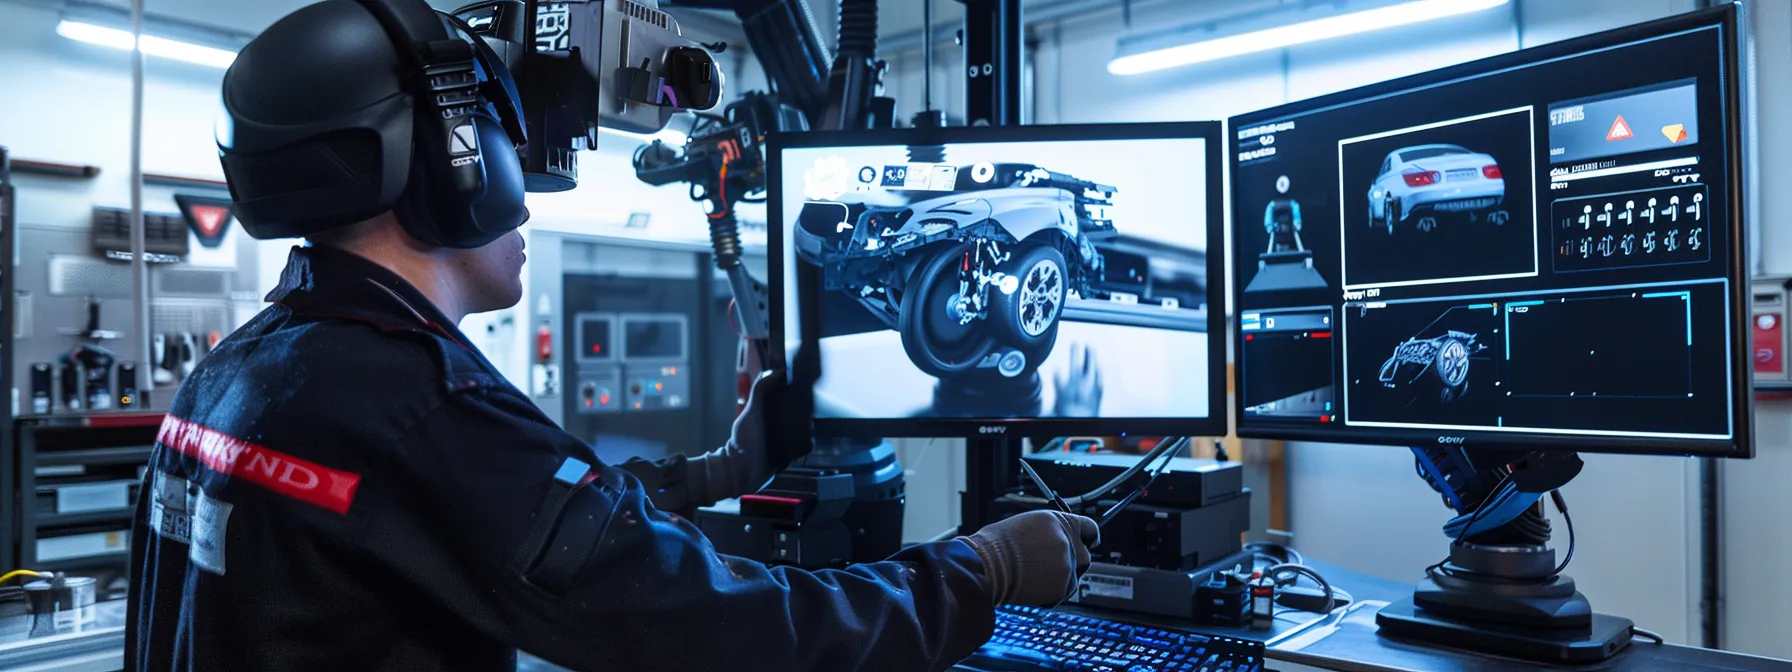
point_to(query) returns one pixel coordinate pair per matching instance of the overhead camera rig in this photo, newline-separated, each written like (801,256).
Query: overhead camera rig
(584,64)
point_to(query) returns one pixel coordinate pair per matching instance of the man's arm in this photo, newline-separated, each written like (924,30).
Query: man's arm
(496,517)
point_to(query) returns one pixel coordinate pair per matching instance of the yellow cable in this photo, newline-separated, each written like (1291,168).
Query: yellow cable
(19,572)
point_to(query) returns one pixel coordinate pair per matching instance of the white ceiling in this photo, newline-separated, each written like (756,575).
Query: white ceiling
(253,16)
(249,17)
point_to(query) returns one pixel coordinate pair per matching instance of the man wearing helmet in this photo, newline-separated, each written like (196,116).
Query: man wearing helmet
(346,483)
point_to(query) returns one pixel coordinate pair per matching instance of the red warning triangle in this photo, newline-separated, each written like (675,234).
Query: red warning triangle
(210,218)
(1620,130)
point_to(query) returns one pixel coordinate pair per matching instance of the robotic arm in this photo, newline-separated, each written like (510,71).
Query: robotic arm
(724,160)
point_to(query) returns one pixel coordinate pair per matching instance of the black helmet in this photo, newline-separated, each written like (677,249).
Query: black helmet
(348,108)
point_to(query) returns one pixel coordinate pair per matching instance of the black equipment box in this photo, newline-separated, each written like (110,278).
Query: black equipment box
(1189,483)
(1159,537)
(162,233)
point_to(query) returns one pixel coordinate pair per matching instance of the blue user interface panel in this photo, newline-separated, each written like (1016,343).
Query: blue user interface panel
(1538,249)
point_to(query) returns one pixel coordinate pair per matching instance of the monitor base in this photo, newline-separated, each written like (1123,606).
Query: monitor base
(1501,590)
(1603,637)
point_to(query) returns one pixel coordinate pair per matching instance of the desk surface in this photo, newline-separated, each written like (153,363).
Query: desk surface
(1348,640)
(99,648)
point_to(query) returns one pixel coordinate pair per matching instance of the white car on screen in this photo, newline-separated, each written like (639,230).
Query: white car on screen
(1424,181)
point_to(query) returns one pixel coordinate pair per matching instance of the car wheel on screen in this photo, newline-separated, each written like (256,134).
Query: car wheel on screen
(1390,213)
(934,333)
(1450,364)
(1026,311)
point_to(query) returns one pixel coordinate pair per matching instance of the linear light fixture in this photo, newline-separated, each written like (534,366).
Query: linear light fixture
(1297,33)
(667,135)
(150,44)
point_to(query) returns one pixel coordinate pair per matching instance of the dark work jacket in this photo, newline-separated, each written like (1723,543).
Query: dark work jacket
(346,484)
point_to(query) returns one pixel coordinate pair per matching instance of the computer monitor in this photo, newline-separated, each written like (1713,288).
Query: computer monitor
(1541,249)
(1023,281)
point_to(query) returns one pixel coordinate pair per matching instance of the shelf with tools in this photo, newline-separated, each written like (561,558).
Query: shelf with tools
(76,481)
(94,351)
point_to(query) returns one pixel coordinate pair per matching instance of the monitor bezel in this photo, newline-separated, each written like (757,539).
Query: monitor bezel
(1216,423)
(1741,444)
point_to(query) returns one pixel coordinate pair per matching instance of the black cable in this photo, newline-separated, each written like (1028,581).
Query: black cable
(1649,635)
(1135,494)
(1269,549)
(1562,507)
(1331,596)
(1481,508)
(1168,446)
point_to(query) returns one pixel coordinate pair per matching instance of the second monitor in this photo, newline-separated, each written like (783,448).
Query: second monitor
(1064,277)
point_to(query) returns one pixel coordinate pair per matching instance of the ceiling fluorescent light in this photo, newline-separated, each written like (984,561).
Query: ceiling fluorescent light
(151,45)
(666,135)
(1299,33)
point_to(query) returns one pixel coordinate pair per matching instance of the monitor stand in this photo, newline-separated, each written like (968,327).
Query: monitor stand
(1498,592)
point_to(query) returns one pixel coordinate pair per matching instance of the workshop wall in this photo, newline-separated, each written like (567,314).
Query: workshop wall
(70,102)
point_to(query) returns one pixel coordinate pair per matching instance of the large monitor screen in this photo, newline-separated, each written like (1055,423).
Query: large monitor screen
(1065,279)
(1538,249)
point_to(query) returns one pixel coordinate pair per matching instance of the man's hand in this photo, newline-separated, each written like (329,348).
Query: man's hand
(747,438)
(1035,558)
(741,466)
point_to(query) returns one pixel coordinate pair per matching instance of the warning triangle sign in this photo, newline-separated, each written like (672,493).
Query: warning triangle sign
(209,218)
(1620,130)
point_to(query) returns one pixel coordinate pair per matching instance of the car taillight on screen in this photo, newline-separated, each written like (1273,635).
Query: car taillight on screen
(1421,178)
(1491,172)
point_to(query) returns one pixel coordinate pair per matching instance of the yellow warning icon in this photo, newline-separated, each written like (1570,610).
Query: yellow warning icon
(1675,132)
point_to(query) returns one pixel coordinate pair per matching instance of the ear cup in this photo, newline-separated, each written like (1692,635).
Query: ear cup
(500,209)
(461,200)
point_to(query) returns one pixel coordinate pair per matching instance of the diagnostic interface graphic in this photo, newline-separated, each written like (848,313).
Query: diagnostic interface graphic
(1531,250)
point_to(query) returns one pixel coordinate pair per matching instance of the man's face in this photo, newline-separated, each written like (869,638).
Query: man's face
(491,277)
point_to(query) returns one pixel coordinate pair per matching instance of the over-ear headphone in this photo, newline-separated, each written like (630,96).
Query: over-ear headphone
(442,149)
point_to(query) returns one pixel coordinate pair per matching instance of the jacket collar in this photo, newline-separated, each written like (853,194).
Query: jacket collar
(331,283)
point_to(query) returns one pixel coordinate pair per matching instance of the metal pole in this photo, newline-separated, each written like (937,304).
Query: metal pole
(927,55)
(139,268)
(1711,555)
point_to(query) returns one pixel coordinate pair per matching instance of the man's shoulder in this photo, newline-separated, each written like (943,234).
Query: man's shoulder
(362,356)
(336,373)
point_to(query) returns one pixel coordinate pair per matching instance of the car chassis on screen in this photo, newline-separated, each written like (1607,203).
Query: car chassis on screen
(976,280)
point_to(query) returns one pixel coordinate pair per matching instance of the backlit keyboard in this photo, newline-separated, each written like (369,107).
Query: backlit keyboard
(1030,638)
